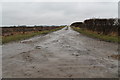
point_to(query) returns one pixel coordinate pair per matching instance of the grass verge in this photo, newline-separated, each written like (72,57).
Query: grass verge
(26,35)
(107,38)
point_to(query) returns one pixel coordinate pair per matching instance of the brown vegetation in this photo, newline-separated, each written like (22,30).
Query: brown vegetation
(7,31)
(116,56)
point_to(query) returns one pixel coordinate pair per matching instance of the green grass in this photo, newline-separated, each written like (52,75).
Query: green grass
(18,37)
(107,38)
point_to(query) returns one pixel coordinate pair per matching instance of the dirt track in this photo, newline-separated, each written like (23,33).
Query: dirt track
(61,54)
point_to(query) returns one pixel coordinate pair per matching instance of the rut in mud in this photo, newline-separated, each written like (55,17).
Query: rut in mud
(61,54)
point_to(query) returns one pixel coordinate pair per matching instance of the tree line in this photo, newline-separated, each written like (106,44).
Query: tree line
(101,26)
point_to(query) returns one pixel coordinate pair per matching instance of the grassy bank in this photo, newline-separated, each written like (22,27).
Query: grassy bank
(26,35)
(107,38)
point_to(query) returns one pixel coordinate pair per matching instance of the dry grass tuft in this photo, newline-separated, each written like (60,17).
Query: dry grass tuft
(117,56)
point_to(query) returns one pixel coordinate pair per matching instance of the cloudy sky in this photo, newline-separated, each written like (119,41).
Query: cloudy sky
(55,13)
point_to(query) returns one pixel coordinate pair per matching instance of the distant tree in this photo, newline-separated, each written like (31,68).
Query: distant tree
(77,24)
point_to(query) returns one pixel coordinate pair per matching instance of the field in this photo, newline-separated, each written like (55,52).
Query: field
(19,33)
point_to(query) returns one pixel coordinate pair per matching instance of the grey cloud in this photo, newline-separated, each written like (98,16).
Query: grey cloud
(55,13)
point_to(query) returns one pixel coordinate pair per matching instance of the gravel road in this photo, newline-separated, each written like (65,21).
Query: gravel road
(60,54)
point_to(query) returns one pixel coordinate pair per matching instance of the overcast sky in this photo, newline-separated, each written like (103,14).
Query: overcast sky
(55,13)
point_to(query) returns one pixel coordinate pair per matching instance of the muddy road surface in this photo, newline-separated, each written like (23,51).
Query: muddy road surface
(60,54)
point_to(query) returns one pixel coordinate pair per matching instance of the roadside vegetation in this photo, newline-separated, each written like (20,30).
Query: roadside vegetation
(17,37)
(88,33)
(103,29)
